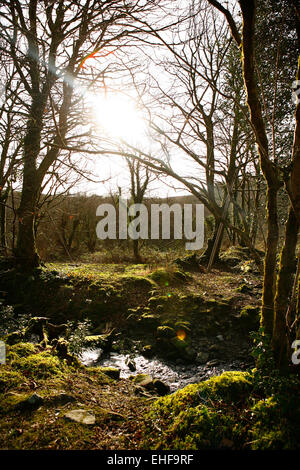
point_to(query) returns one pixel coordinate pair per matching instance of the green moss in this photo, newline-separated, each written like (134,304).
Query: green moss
(234,255)
(137,282)
(21,350)
(94,341)
(276,423)
(39,366)
(9,379)
(188,417)
(164,277)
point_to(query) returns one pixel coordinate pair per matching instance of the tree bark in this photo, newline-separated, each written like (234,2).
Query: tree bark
(280,339)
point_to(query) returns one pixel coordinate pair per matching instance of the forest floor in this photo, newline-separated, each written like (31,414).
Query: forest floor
(177,313)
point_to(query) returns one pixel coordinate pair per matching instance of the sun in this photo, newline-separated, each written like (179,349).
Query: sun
(118,116)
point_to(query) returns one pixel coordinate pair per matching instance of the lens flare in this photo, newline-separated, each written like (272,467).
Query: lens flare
(181,334)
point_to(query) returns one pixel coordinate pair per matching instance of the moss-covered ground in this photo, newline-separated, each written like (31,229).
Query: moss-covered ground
(29,370)
(165,310)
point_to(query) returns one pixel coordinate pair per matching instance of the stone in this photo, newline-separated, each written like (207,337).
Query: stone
(148,351)
(130,364)
(143,380)
(61,399)
(32,402)
(81,416)
(160,387)
(220,337)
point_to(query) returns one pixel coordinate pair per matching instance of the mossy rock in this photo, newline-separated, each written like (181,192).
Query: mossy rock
(142,380)
(166,278)
(153,302)
(15,337)
(40,366)
(189,418)
(138,282)
(94,341)
(234,255)
(244,289)
(112,372)
(100,341)
(149,320)
(218,306)
(190,262)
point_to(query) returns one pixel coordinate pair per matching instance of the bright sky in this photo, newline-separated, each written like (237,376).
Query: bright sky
(117,116)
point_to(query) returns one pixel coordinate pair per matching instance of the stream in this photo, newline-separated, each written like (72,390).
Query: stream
(175,375)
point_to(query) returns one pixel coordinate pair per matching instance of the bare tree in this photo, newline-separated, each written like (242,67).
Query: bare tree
(49,43)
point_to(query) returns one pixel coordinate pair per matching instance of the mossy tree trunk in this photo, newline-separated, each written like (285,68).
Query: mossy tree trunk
(281,336)
(275,296)
(267,167)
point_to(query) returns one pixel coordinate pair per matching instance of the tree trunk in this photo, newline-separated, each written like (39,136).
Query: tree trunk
(280,340)
(210,244)
(26,251)
(3,201)
(270,266)
(136,252)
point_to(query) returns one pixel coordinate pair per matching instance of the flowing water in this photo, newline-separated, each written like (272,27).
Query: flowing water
(175,375)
